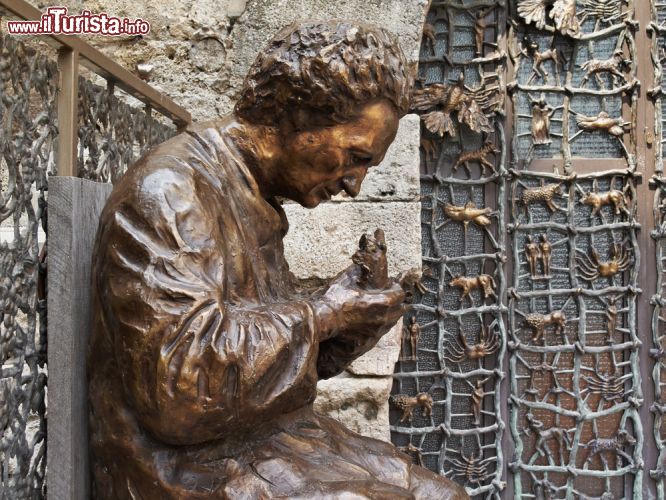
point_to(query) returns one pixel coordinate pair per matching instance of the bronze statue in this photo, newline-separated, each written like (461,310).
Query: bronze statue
(543,435)
(205,356)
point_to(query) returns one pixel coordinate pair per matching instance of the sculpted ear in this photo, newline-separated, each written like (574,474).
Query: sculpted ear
(363,242)
(380,238)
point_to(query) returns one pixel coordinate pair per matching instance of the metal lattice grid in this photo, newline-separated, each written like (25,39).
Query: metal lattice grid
(564,89)
(27,138)
(113,134)
(575,383)
(461,340)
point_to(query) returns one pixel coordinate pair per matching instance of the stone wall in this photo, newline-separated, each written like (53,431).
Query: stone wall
(198,52)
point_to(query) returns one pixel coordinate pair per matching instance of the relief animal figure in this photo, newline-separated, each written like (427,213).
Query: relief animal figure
(615,65)
(562,12)
(606,11)
(538,322)
(371,257)
(614,445)
(543,435)
(472,469)
(438,102)
(458,352)
(412,280)
(542,193)
(485,282)
(608,385)
(468,213)
(407,404)
(613,197)
(591,266)
(531,49)
(479,156)
(602,122)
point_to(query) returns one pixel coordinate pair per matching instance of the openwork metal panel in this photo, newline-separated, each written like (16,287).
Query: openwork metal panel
(27,138)
(659,335)
(455,336)
(574,350)
(658,182)
(113,134)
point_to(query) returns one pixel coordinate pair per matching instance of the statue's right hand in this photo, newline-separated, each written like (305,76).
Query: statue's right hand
(346,308)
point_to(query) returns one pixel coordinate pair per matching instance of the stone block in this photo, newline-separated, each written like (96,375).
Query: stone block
(359,403)
(321,241)
(381,360)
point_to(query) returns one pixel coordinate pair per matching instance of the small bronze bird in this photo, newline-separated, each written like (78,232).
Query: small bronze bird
(614,126)
(437,102)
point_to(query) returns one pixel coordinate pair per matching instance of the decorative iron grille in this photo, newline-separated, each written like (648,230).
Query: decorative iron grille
(112,134)
(455,335)
(574,349)
(27,138)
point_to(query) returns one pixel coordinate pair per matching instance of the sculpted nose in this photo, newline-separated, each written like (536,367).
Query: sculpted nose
(352,183)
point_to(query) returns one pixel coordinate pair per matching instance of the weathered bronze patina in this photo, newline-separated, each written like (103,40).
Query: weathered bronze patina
(205,357)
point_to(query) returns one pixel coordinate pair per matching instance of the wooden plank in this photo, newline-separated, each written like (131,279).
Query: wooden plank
(68,116)
(74,209)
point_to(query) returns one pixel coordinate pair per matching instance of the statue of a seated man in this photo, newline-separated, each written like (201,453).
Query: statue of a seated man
(205,357)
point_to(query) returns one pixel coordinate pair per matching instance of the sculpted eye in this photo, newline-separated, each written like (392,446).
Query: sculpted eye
(360,158)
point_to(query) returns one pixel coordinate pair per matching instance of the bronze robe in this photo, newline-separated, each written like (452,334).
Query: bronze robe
(204,360)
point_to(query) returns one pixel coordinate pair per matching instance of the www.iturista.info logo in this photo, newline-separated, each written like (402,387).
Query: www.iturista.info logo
(56,21)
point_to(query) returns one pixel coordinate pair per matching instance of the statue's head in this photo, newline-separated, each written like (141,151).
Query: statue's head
(334,92)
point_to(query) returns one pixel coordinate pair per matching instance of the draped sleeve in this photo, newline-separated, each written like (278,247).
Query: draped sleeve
(200,355)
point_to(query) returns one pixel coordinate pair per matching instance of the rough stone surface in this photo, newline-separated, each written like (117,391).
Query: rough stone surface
(361,403)
(381,360)
(321,241)
(239,28)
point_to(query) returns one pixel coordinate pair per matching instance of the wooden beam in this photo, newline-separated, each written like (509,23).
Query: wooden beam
(68,116)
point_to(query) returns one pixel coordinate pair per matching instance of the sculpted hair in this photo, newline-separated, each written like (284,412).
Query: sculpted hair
(326,69)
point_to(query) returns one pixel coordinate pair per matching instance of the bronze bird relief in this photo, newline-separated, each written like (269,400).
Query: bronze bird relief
(439,103)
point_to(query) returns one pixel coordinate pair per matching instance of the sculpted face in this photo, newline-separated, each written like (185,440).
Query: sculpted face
(318,164)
